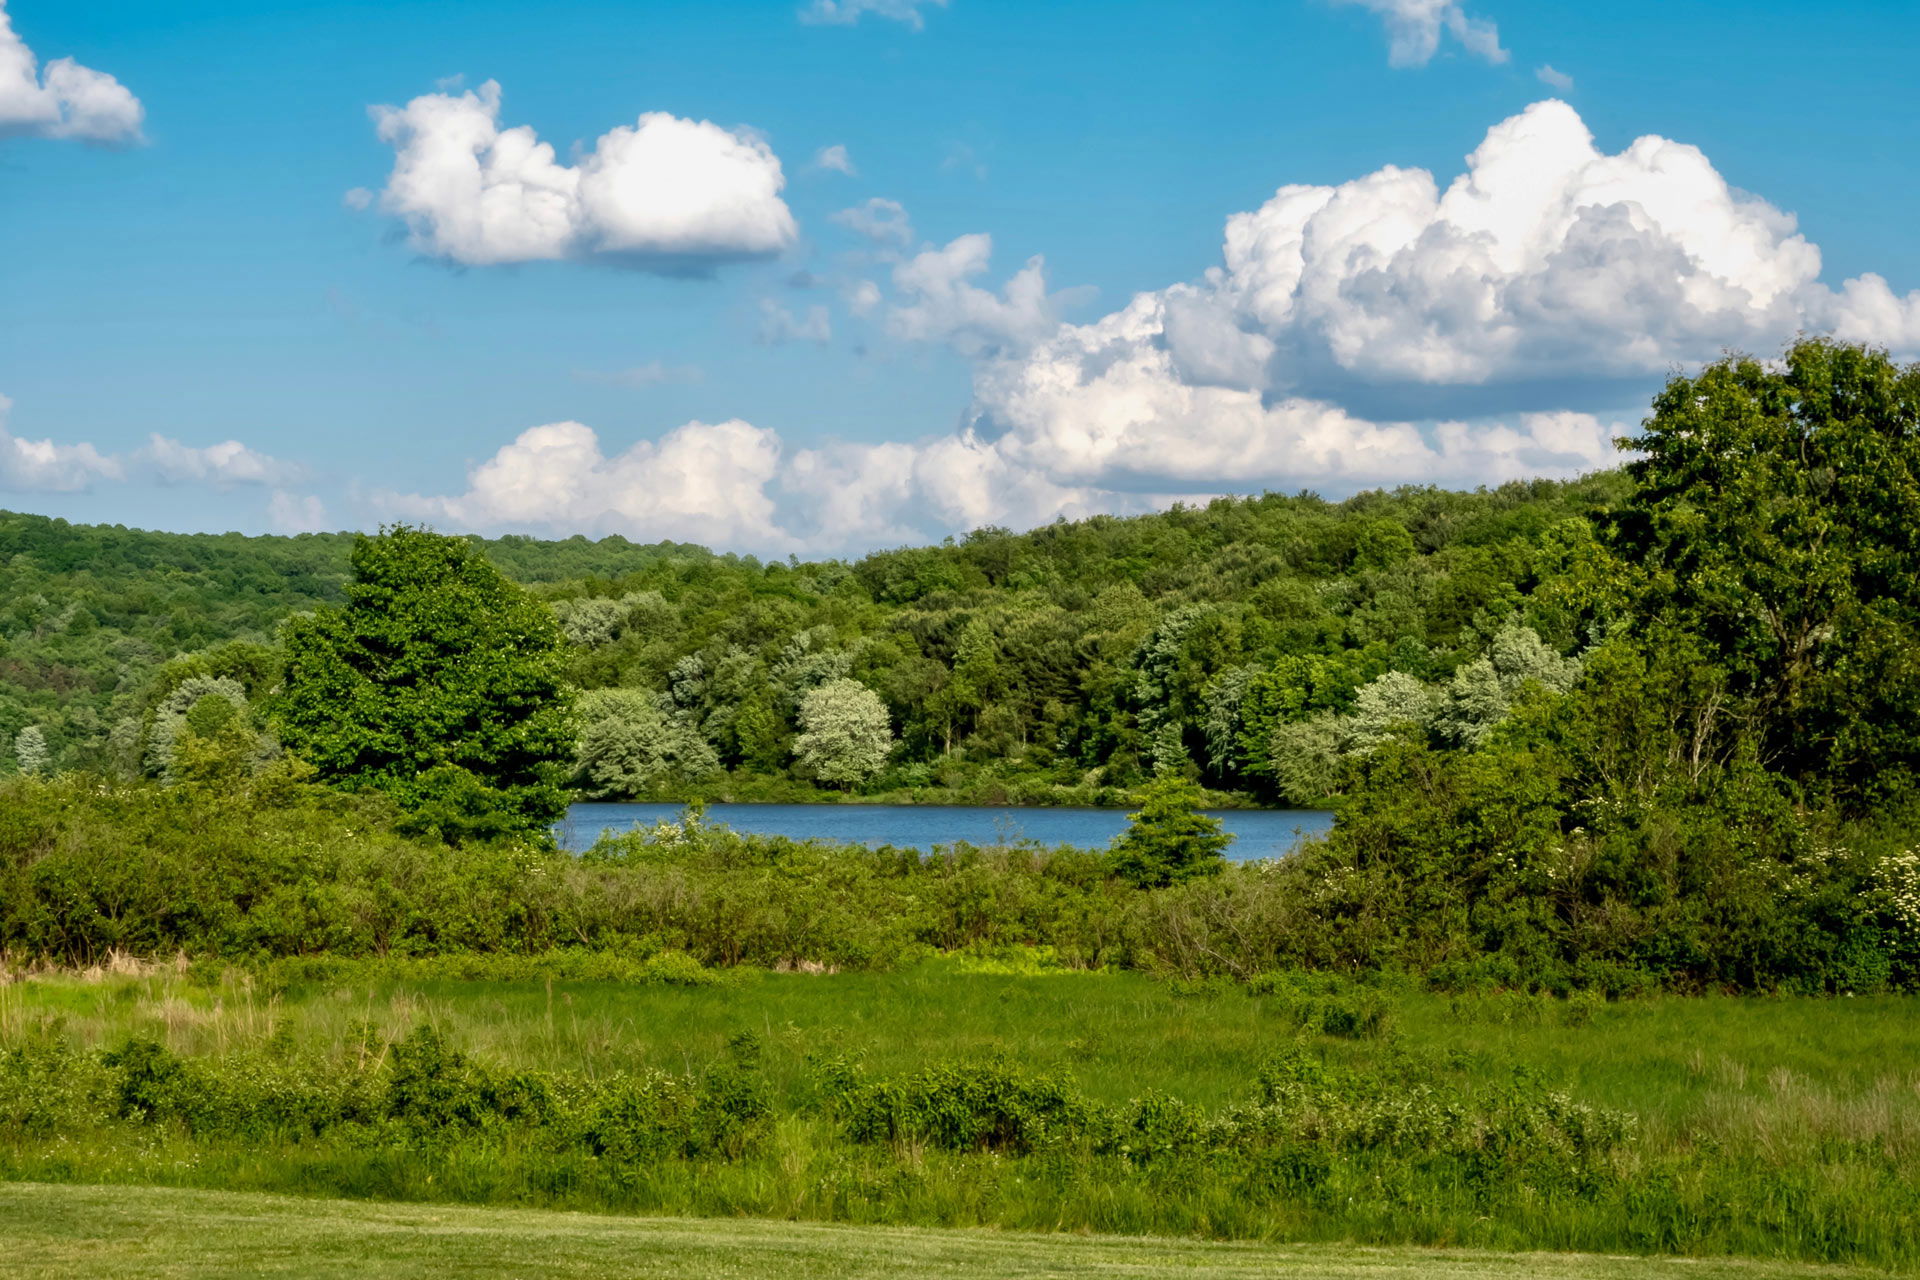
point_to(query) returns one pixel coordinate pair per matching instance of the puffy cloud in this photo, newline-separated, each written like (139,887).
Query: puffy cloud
(942,305)
(671,194)
(835,159)
(884,222)
(735,485)
(45,466)
(1547,259)
(1553,79)
(1108,405)
(842,13)
(67,101)
(1414,28)
(42,466)
(700,482)
(222,465)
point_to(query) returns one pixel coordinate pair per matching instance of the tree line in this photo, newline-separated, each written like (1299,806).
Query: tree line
(1661,721)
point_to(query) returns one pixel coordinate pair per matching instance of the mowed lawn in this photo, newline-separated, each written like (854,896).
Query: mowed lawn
(110,1232)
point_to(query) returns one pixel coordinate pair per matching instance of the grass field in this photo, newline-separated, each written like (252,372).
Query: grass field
(1768,1127)
(113,1232)
(1679,1063)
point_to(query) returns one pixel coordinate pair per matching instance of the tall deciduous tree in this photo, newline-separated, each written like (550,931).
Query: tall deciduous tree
(1777,521)
(438,682)
(630,744)
(845,733)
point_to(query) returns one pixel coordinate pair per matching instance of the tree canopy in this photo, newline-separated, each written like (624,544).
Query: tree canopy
(1775,521)
(437,676)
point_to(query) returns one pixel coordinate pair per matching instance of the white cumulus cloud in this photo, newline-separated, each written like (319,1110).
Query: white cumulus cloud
(1547,258)
(222,465)
(666,193)
(939,303)
(67,100)
(1108,405)
(1414,29)
(702,482)
(48,466)
(44,466)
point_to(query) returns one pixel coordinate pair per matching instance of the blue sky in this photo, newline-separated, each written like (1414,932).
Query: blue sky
(232,298)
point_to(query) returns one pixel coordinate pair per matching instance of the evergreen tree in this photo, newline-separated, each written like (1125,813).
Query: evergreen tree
(1169,840)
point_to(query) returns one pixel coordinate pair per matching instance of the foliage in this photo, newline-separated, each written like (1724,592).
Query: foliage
(632,743)
(844,732)
(1776,520)
(30,753)
(438,682)
(1770,1129)
(1169,841)
(1049,665)
(1459,866)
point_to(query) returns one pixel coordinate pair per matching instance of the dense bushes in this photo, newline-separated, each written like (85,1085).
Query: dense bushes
(1305,1117)
(1398,1145)
(417,1092)
(1448,866)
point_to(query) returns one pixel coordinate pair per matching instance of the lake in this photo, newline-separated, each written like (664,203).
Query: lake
(1257,833)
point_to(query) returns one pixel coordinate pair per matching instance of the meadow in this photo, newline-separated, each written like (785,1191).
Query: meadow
(115,1232)
(1302,1108)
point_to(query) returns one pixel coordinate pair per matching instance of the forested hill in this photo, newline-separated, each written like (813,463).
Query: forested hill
(1047,664)
(90,613)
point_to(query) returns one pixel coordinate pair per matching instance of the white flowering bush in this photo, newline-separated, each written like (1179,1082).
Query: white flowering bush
(1897,878)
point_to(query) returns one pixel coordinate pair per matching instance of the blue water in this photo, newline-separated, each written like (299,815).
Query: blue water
(1257,833)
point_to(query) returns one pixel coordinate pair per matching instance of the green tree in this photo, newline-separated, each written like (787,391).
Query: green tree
(198,704)
(437,678)
(845,733)
(1169,841)
(1777,518)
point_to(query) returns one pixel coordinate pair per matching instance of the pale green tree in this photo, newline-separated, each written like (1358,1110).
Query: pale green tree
(30,750)
(807,661)
(1391,703)
(1224,723)
(845,733)
(225,702)
(632,742)
(1482,692)
(591,623)
(1305,757)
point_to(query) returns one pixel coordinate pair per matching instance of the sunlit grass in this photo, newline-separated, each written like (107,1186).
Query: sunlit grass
(1810,1108)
